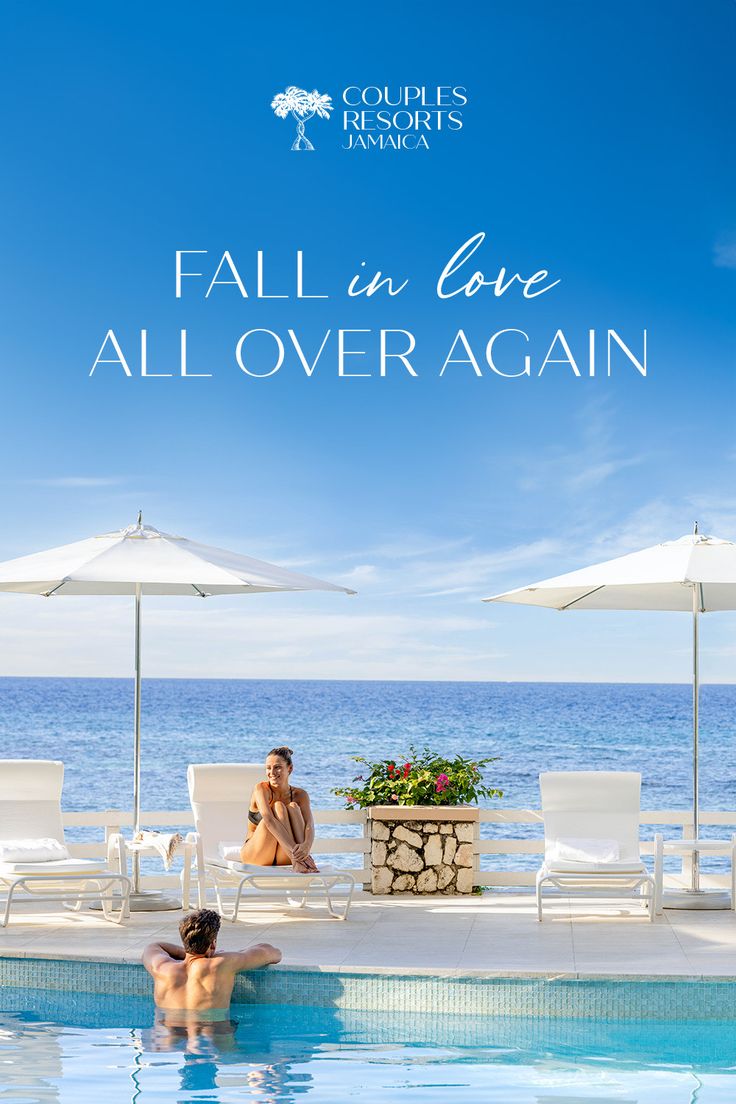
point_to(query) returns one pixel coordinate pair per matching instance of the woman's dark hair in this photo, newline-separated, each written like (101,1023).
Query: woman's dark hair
(284,753)
(199,930)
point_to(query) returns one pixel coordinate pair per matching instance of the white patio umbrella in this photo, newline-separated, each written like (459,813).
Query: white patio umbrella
(695,574)
(136,561)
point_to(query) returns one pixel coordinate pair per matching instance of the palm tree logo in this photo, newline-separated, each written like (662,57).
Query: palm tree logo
(301,105)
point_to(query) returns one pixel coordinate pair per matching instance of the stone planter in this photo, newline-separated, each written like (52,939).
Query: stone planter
(422,849)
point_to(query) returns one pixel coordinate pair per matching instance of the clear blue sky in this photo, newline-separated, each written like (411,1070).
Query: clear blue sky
(597,143)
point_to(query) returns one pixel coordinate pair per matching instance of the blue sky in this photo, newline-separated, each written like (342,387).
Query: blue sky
(597,144)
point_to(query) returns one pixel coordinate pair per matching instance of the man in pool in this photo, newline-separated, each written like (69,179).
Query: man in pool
(196,977)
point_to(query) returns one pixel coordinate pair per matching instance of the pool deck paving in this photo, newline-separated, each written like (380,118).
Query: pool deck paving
(496,934)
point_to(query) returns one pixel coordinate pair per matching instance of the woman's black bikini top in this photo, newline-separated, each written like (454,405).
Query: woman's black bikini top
(254,815)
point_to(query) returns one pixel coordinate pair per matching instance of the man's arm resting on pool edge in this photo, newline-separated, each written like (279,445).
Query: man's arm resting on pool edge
(155,952)
(262,954)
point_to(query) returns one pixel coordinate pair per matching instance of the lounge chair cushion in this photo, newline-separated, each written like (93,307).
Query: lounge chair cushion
(88,868)
(574,849)
(32,850)
(562,866)
(265,871)
(283,874)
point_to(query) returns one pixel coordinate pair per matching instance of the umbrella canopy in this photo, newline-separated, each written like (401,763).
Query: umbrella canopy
(665,577)
(695,574)
(141,560)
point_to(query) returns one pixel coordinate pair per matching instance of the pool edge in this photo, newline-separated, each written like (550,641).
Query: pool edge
(450,972)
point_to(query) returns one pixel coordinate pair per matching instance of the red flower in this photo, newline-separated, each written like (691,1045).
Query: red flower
(407,768)
(392,770)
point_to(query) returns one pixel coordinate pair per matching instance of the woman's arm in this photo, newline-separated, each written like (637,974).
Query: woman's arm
(302,800)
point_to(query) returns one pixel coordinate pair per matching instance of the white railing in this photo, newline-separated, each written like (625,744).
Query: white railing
(655,820)
(507,845)
(116,820)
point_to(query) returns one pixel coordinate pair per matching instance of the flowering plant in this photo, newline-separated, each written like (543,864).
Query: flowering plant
(423,778)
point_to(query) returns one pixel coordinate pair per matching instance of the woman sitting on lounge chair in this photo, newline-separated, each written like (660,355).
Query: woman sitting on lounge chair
(280,822)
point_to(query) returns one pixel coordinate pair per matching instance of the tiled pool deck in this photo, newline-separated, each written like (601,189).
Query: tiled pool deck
(496,934)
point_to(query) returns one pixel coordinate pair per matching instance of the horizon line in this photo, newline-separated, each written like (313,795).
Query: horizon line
(278,678)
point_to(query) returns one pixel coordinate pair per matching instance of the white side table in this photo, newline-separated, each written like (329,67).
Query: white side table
(688,898)
(141,900)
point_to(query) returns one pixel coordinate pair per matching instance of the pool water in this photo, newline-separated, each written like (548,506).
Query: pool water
(68,1047)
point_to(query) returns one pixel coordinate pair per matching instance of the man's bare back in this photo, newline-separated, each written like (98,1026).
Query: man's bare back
(200,979)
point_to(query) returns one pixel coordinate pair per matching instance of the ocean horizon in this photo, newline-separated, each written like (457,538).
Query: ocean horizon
(470,682)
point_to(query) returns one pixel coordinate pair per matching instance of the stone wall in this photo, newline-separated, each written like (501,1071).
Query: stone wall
(422,850)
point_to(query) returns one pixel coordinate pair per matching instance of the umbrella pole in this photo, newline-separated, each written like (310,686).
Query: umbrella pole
(695,897)
(696,706)
(137,741)
(141,900)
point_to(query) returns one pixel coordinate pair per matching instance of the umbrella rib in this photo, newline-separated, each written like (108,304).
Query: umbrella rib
(581,597)
(57,587)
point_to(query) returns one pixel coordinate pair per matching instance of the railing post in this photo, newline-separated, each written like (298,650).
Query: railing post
(686,868)
(366,830)
(476,852)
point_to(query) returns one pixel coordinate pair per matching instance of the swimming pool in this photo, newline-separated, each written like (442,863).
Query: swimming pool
(58,1046)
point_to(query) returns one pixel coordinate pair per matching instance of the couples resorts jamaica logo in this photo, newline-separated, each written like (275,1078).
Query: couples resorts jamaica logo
(301,105)
(401,117)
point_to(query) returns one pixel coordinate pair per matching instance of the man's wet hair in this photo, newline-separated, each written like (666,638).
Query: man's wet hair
(199,930)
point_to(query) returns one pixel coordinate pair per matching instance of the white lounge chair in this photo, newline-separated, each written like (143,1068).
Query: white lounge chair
(220,794)
(31,827)
(591,837)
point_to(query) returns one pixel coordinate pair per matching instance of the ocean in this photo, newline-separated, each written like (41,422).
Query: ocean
(531,727)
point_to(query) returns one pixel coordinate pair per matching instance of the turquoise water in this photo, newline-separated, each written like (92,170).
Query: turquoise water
(67,1047)
(531,726)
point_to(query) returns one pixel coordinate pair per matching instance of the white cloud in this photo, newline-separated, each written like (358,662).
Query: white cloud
(592,457)
(592,474)
(75,481)
(724,251)
(412,546)
(241,639)
(361,573)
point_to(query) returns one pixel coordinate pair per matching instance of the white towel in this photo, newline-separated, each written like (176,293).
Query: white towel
(230,852)
(165,843)
(32,850)
(584,850)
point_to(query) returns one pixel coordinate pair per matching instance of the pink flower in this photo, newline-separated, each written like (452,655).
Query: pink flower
(352,800)
(441,783)
(394,797)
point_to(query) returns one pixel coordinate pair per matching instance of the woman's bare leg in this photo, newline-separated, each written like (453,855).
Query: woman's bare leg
(299,831)
(263,849)
(298,827)
(260,847)
(283,857)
